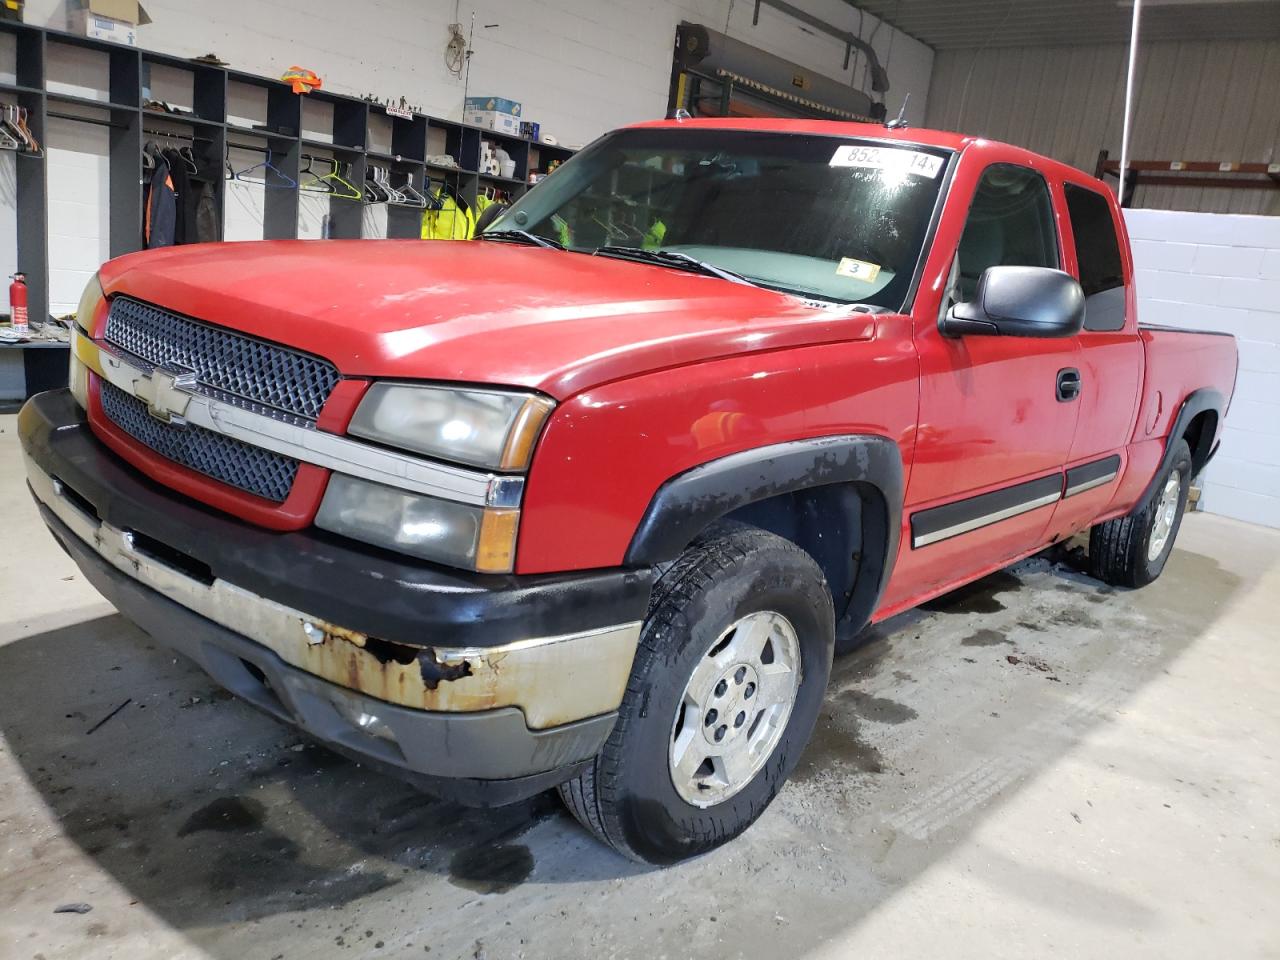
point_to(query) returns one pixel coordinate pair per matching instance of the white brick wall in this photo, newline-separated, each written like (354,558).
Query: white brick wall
(1222,272)
(580,67)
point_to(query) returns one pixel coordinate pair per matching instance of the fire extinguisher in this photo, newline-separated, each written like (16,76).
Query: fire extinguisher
(18,302)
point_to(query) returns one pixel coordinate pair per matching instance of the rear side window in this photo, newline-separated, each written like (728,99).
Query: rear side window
(1010,223)
(1098,252)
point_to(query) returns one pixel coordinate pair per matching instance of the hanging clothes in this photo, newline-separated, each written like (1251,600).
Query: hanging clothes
(654,236)
(454,220)
(159,222)
(208,226)
(184,230)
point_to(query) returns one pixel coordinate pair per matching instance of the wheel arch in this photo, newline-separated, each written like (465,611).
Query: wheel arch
(839,498)
(1199,434)
(1197,418)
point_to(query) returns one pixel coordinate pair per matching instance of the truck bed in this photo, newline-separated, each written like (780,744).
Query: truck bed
(1180,363)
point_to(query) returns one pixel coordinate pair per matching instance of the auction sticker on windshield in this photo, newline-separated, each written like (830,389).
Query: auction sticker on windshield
(888,158)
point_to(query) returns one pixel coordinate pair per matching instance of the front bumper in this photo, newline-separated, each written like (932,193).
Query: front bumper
(419,668)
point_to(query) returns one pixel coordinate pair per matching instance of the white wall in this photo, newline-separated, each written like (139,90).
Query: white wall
(580,67)
(1222,272)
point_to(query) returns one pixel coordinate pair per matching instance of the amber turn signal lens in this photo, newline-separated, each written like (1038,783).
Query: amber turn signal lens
(496,550)
(524,433)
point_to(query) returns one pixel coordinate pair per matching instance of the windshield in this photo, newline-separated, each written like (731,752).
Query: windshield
(831,218)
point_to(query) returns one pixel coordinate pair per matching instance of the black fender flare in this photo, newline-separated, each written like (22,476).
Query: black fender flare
(689,502)
(1197,402)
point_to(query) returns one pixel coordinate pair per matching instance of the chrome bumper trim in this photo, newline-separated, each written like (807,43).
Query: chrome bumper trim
(553,680)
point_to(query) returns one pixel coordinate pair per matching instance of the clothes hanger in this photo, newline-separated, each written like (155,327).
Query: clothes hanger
(433,197)
(376,186)
(172,143)
(348,191)
(373,192)
(384,178)
(7,141)
(398,195)
(412,198)
(611,230)
(15,119)
(267,167)
(316,184)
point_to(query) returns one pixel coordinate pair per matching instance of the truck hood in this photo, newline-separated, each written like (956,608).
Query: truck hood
(482,312)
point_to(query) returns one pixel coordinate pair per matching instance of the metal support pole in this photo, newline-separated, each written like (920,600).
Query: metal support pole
(1128,98)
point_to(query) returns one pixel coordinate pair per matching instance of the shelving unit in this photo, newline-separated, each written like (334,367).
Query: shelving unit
(1218,174)
(212,130)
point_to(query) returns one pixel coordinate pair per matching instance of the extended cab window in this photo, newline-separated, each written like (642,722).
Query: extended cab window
(1098,253)
(1010,223)
(834,218)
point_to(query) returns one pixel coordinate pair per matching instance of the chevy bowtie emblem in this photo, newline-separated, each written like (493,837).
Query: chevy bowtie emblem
(166,391)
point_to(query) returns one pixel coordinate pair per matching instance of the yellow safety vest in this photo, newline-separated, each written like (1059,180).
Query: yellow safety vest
(453,221)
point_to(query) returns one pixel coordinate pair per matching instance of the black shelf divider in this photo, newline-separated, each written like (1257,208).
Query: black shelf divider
(206,125)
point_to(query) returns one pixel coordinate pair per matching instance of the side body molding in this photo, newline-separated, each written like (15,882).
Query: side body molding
(688,503)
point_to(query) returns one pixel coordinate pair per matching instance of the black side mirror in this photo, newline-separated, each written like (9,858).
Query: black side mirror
(1019,302)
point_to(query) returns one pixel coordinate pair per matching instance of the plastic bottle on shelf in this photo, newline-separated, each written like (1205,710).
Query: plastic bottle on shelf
(506,166)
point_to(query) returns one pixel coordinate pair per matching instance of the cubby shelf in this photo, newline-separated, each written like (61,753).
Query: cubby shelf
(212,131)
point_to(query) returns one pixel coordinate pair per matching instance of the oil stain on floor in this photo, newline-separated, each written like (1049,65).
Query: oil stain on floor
(225,815)
(494,868)
(977,597)
(837,746)
(985,638)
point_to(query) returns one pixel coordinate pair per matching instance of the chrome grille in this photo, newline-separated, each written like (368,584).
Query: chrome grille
(232,363)
(252,469)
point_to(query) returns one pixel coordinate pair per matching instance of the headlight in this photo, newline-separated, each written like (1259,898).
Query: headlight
(77,372)
(493,429)
(89,302)
(456,534)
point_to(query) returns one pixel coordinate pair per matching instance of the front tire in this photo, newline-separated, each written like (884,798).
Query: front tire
(728,679)
(1131,551)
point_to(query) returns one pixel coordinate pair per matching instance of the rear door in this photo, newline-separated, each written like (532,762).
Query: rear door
(992,437)
(1111,355)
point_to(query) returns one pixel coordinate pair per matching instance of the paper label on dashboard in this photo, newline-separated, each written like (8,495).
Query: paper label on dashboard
(858,270)
(888,158)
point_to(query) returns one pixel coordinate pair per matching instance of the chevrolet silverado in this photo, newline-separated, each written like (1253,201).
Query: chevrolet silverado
(588,503)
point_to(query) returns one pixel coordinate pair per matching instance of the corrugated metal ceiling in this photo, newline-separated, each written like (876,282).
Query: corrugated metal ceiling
(954,24)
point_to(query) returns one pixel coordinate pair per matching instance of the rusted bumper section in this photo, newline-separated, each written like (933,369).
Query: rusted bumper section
(523,712)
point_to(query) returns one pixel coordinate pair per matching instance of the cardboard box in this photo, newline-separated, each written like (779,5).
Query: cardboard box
(496,113)
(113,20)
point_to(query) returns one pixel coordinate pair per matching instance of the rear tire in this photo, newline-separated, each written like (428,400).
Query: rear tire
(1131,551)
(728,679)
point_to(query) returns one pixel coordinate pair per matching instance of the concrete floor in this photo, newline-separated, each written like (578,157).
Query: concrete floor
(1036,765)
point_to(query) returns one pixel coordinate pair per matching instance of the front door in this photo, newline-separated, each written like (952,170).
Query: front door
(993,434)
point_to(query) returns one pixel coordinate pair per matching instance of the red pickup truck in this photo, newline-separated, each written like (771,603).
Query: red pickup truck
(589,502)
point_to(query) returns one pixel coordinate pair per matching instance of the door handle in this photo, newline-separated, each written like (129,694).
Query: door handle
(1068,384)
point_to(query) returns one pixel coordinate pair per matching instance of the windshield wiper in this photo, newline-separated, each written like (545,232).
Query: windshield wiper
(672,258)
(521,236)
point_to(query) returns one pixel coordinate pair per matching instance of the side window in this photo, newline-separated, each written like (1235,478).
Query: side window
(1098,252)
(1010,224)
